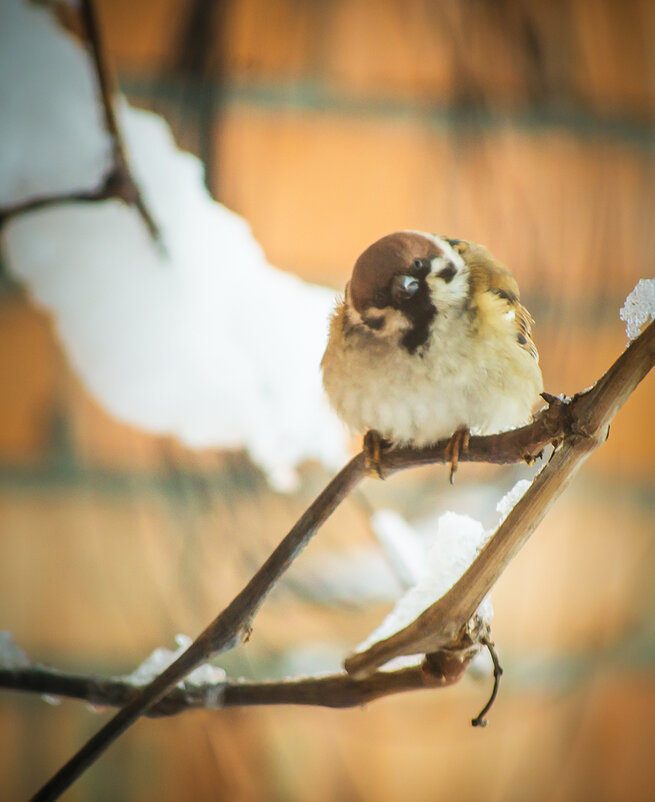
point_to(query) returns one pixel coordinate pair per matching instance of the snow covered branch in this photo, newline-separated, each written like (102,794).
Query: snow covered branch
(578,426)
(118,182)
(160,371)
(152,335)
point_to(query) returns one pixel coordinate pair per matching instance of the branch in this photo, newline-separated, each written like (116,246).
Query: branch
(225,631)
(585,426)
(581,424)
(118,183)
(335,691)
(126,186)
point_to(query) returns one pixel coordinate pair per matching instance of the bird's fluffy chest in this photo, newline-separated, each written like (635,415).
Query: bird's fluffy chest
(458,378)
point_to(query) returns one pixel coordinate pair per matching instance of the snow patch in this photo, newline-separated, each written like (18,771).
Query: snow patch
(456,543)
(639,307)
(401,544)
(12,657)
(436,568)
(205,341)
(160,659)
(51,125)
(511,498)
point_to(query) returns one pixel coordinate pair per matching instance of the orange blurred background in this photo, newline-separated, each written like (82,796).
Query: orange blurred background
(523,125)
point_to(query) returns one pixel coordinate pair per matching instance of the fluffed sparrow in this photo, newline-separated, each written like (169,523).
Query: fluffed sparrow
(430,342)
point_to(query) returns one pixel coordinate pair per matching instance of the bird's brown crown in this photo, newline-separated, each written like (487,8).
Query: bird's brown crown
(383,260)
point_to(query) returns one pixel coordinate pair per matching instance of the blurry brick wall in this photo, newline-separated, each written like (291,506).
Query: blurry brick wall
(524,125)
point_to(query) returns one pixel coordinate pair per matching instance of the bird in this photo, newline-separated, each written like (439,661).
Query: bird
(430,341)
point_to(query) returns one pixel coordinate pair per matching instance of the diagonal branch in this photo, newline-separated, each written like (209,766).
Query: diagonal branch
(587,420)
(121,178)
(225,631)
(581,424)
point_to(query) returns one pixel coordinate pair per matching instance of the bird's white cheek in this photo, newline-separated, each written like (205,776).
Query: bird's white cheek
(438,263)
(448,295)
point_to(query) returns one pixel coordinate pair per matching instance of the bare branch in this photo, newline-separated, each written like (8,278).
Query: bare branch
(336,690)
(480,720)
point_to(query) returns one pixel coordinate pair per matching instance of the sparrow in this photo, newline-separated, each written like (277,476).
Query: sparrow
(430,341)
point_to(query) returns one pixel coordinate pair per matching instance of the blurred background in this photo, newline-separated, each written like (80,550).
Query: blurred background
(523,125)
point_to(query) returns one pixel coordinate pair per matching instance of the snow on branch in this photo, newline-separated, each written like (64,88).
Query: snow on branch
(448,632)
(38,172)
(204,340)
(639,307)
(160,339)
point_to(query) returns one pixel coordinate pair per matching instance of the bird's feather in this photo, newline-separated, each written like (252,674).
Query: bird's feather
(489,275)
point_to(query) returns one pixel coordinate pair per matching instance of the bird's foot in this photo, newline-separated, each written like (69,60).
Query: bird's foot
(458,443)
(374,444)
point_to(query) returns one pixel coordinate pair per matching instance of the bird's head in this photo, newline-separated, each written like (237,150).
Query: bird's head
(403,281)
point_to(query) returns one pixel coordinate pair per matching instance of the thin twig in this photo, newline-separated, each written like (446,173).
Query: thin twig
(581,427)
(43,202)
(126,187)
(480,720)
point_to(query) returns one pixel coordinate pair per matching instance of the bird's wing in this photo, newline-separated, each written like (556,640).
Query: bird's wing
(488,275)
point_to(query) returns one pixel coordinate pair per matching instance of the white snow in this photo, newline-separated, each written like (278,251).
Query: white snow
(11,655)
(160,659)
(511,498)
(639,307)
(55,701)
(51,125)
(401,544)
(482,665)
(207,342)
(356,576)
(456,543)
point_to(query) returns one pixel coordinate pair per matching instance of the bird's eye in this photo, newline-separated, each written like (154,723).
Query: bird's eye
(417,263)
(403,287)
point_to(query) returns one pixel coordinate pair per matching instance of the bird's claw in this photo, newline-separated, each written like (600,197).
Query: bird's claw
(373,446)
(458,443)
